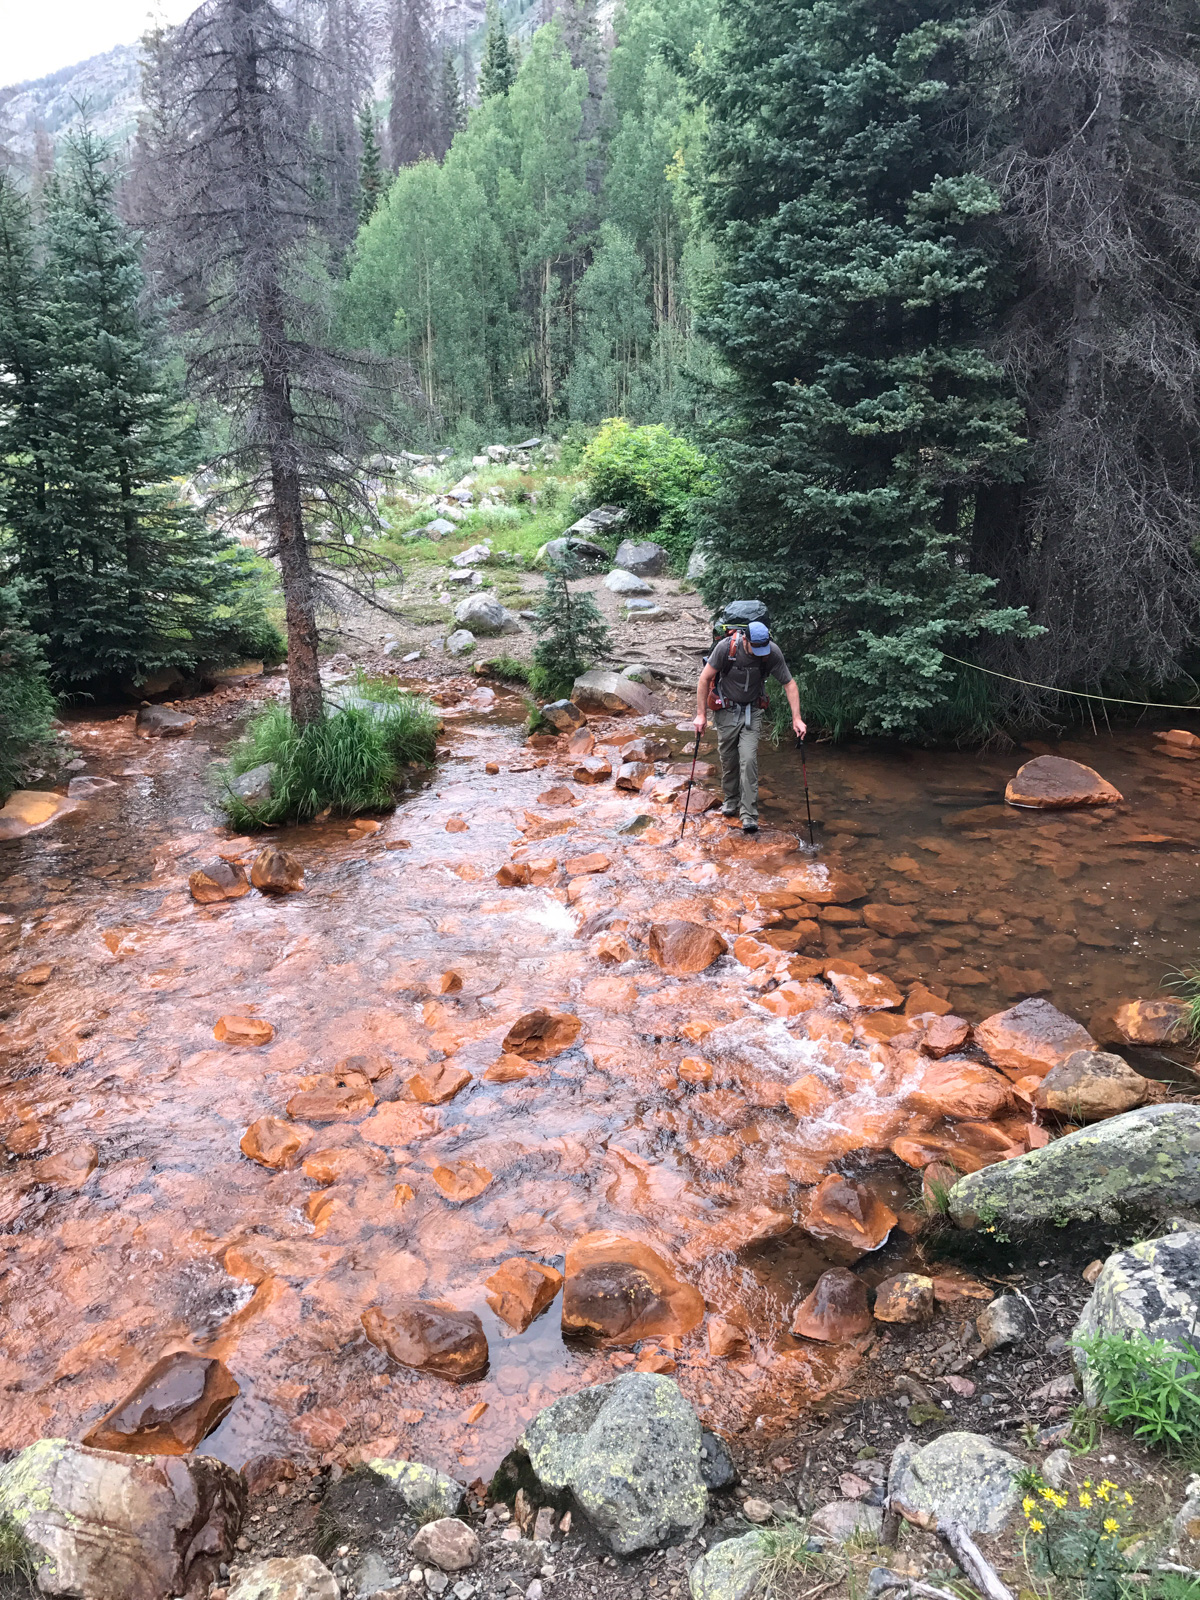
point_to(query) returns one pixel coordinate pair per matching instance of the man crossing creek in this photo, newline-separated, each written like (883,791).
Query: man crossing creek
(733,686)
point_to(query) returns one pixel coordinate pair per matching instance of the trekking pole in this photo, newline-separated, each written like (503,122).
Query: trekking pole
(807,804)
(688,797)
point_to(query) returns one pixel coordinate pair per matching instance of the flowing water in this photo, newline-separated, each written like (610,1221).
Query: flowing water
(177,1241)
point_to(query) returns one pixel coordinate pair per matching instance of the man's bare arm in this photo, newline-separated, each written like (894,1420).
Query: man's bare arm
(799,726)
(702,688)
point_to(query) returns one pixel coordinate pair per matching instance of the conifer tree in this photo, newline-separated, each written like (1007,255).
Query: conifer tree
(451,112)
(26,703)
(870,426)
(412,120)
(370,172)
(497,70)
(573,634)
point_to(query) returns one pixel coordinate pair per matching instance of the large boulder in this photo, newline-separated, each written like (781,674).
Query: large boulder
(180,1401)
(485,617)
(121,1527)
(959,1476)
(629,1453)
(1146,1161)
(1030,1038)
(1153,1288)
(287,1578)
(611,693)
(1090,1085)
(1052,783)
(621,582)
(642,557)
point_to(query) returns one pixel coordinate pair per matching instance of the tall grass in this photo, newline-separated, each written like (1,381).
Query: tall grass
(347,763)
(1186,983)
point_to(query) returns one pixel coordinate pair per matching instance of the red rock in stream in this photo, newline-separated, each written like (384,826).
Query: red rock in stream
(1151,1021)
(521,1290)
(942,1035)
(728,1339)
(827,886)
(180,1401)
(593,769)
(621,1290)
(646,749)
(681,947)
(1055,784)
(835,1310)
(272,1142)
(792,999)
(332,1096)
(429,1336)
(559,796)
(439,1083)
(809,1096)
(582,866)
(277,871)
(217,881)
(612,949)
(66,1169)
(1030,1038)
(956,1087)
(581,743)
(465,1180)
(842,1210)
(538,1035)
(865,991)
(632,775)
(243,1030)
(508,1069)
(892,921)
(923,1002)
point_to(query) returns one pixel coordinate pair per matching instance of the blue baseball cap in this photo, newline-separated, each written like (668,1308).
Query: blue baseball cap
(760,639)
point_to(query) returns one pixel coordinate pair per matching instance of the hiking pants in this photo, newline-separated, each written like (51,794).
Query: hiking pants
(737,744)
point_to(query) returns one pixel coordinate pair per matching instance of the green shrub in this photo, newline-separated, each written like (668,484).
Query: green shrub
(26,703)
(243,630)
(651,472)
(1150,1383)
(348,763)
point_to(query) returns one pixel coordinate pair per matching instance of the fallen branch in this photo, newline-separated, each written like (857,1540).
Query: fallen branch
(971,1559)
(883,1580)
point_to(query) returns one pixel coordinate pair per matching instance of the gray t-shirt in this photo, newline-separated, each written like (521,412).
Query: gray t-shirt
(742,684)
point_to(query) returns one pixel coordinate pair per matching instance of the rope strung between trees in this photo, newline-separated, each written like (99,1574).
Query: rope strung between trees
(1145,705)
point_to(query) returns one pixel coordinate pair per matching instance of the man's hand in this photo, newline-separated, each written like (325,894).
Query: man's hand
(700,724)
(799,726)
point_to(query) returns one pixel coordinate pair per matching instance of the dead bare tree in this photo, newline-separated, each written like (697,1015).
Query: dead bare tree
(1088,112)
(234,196)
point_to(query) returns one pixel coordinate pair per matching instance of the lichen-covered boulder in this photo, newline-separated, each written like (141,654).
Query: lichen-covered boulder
(1147,1160)
(629,1452)
(287,1578)
(428,1493)
(730,1570)
(961,1476)
(121,1527)
(1153,1288)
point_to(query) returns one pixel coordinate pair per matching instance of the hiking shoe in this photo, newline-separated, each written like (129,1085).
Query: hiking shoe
(725,812)
(749,827)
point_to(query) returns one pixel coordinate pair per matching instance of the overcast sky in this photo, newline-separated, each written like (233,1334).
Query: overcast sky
(39,36)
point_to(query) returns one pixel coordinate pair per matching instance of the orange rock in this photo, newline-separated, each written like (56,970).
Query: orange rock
(840,916)
(243,1030)
(508,1069)
(908,1297)
(721,1150)
(521,1290)
(843,1210)
(179,1402)
(698,1028)
(888,1027)
(34,977)
(66,1169)
(560,796)
(272,1142)
(1151,1021)
(612,949)
(922,1001)
(463,1181)
(819,1025)
(942,1034)
(827,886)
(1053,783)
(580,866)
(796,937)
(960,1089)
(581,743)
(835,1310)
(1180,737)
(491,767)
(892,921)
(331,1097)
(728,1339)
(611,994)
(791,999)
(450,982)
(957,1289)
(694,1069)
(866,991)
(513,875)
(219,880)
(1030,1038)
(593,769)
(752,954)
(538,1035)
(276,871)
(431,1337)
(621,1290)
(681,947)
(809,1096)
(656,1361)
(437,1084)
(457,825)
(372,1065)
(697,801)
(341,1162)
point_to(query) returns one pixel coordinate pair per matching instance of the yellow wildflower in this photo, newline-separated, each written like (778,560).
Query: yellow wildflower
(1128,1498)
(1110,1525)
(1027,1505)
(1085,1499)
(1035,1526)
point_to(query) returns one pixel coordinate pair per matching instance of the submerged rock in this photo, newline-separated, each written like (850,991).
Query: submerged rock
(835,1310)
(287,1578)
(960,1476)
(1055,784)
(160,722)
(681,947)
(1030,1038)
(181,1400)
(538,1035)
(277,871)
(121,1527)
(272,1142)
(621,1290)
(1090,1085)
(1153,1288)
(218,880)
(841,1210)
(1145,1160)
(430,1336)
(629,1452)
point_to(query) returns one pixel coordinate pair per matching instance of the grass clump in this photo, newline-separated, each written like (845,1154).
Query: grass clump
(507,667)
(18,1566)
(1150,1384)
(348,763)
(1186,983)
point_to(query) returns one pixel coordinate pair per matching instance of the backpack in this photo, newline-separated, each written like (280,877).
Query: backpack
(743,683)
(738,615)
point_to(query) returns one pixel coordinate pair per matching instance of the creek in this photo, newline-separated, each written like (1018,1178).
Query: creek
(177,1241)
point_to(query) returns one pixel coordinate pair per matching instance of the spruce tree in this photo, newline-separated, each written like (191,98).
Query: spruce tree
(497,71)
(26,703)
(869,427)
(451,112)
(412,120)
(370,172)
(573,634)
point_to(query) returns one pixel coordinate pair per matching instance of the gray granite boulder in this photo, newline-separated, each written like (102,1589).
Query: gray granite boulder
(460,642)
(1153,1288)
(621,582)
(287,1578)
(731,1570)
(962,1476)
(641,556)
(485,616)
(1147,1160)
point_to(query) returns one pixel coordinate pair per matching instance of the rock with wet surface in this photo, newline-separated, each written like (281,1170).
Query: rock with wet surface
(277,871)
(485,617)
(848,1213)
(180,1401)
(160,722)
(272,1142)
(835,1310)
(243,1030)
(521,1289)
(425,1491)
(629,1452)
(565,715)
(1145,1161)
(286,1578)
(429,1336)
(447,1543)
(539,1035)
(908,1297)
(28,809)
(332,1097)
(1056,784)
(1030,1038)
(608,692)
(862,990)
(1153,1288)
(1151,1022)
(1090,1085)
(680,947)
(622,1290)
(959,1088)
(121,1527)
(959,1476)
(216,881)
(731,1570)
